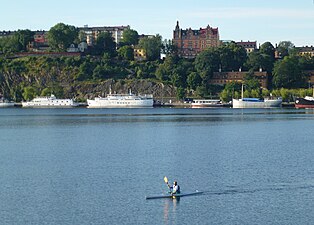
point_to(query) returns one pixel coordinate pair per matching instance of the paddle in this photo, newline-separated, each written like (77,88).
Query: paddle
(166,181)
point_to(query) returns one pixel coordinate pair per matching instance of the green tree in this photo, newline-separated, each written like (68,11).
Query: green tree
(126,52)
(201,91)
(152,47)
(29,93)
(164,70)
(46,91)
(194,80)
(232,56)
(268,49)
(250,81)
(206,63)
(284,48)
(231,90)
(9,44)
(180,93)
(130,37)
(61,36)
(257,61)
(169,48)
(105,44)
(85,71)
(288,74)
(306,62)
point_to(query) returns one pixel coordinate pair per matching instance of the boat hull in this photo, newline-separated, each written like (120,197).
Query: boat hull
(120,103)
(208,103)
(50,102)
(175,195)
(6,104)
(302,103)
(267,103)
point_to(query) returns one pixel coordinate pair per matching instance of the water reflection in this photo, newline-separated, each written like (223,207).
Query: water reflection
(170,207)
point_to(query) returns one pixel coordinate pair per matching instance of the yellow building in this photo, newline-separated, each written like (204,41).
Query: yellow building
(306,51)
(139,54)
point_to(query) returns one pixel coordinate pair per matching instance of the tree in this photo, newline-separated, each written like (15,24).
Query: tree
(194,80)
(85,71)
(126,52)
(257,60)
(164,70)
(169,48)
(250,81)
(24,37)
(130,37)
(230,91)
(306,62)
(9,44)
(152,47)
(61,36)
(287,73)
(105,44)
(267,51)
(232,56)
(284,48)
(29,93)
(180,93)
(206,63)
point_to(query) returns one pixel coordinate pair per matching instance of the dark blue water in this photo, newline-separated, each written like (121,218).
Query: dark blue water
(95,166)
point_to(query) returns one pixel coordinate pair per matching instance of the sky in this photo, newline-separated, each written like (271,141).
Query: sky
(246,20)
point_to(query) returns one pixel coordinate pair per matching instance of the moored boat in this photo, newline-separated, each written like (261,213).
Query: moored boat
(206,103)
(306,102)
(49,102)
(256,102)
(121,101)
(6,103)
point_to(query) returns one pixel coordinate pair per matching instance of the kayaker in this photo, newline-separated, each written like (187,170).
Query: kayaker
(175,189)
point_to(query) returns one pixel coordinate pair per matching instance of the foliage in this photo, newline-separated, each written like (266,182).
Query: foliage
(61,36)
(104,44)
(232,56)
(169,48)
(251,82)
(152,47)
(206,62)
(201,91)
(284,48)
(230,91)
(288,74)
(29,93)
(130,37)
(180,93)
(194,80)
(126,52)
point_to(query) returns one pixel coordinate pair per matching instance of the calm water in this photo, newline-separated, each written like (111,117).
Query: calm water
(95,166)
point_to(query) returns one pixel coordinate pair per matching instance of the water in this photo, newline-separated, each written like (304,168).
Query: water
(95,166)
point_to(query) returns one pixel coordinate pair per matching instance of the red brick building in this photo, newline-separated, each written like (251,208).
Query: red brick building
(191,42)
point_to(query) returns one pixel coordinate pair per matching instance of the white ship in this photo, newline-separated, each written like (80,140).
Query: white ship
(49,102)
(121,101)
(206,103)
(5,103)
(256,102)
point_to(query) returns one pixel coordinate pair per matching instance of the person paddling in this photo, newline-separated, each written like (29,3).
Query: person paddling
(175,188)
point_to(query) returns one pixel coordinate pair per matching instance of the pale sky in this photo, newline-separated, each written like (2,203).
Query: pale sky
(254,20)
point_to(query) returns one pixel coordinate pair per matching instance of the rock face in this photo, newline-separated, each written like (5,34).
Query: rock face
(141,87)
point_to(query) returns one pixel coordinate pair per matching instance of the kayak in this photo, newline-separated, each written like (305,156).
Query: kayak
(175,195)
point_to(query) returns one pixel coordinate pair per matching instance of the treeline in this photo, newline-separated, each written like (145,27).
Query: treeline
(26,77)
